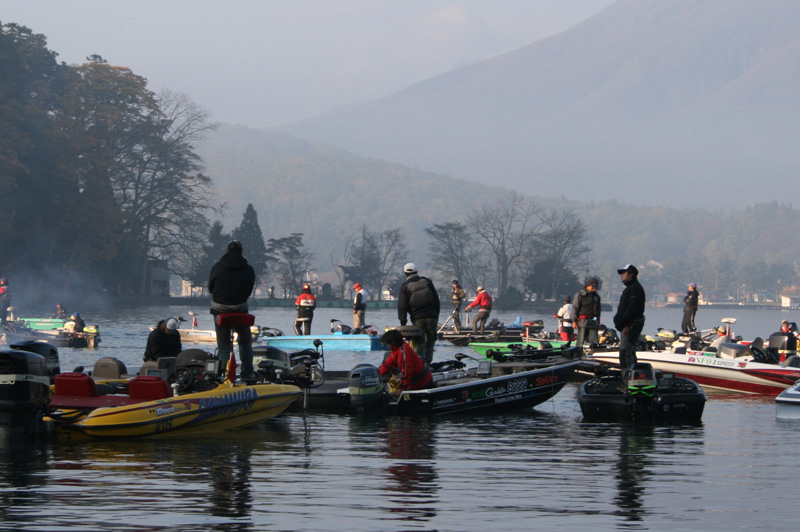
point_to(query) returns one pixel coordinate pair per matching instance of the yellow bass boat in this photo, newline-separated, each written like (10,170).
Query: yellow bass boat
(150,409)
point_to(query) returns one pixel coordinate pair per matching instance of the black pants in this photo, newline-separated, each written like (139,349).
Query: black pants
(687,325)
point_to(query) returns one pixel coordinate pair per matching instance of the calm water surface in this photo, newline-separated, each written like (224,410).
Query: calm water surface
(541,469)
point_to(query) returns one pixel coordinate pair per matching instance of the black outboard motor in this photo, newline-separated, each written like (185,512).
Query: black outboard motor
(24,393)
(365,386)
(48,351)
(642,386)
(782,346)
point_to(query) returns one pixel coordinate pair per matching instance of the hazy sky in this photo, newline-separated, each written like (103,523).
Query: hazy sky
(267,62)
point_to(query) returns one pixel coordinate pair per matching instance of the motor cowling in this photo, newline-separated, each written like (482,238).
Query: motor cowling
(782,345)
(24,391)
(365,385)
(642,380)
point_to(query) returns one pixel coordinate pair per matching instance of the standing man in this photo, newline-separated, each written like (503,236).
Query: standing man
(587,312)
(230,283)
(5,298)
(359,306)
(456,299)
(484,303)
(305,303)
(418,298)
(689,309)
(629,320)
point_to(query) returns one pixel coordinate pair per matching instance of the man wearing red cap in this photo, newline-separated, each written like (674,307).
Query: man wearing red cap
(305,303)
(359,306)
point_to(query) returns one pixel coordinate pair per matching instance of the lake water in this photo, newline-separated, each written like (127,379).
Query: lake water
(540,469)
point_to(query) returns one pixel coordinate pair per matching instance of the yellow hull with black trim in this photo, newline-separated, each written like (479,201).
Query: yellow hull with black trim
(223,408)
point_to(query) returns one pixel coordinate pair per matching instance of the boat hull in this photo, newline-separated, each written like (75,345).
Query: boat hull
(711,371)
(523,389)
(334,342)
(223,408)
(506,348)
(787,403)
(605,399)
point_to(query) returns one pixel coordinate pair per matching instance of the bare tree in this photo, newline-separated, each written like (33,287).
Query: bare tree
(561,243)
(453,253)
(505,228)
(373,257)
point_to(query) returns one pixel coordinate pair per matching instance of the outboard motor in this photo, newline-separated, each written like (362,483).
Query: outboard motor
(48,351)
(642,385)
(782,345)
(410,332)
(365,385)
(24,393)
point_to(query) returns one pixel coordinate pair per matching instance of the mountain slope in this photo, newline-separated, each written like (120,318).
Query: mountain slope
(327,193)
(648,101)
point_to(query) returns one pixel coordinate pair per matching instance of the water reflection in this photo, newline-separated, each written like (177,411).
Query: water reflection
(636,443)
(406,449)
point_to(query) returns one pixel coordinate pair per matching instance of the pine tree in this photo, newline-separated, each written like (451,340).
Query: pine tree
(252,239)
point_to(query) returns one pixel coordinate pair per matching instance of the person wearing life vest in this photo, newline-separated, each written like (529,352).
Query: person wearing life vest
(78,322)
(60,313)
(359,306)
(414,373)
(587,312)
(419,300)
(305,304)
(566,318)
(456,299)
(484,303)
(5,298)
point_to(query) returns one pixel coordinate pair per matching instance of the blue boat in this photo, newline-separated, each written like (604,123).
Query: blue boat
(342,338)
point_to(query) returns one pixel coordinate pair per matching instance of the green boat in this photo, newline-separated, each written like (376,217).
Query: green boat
(43,324)
(510,348)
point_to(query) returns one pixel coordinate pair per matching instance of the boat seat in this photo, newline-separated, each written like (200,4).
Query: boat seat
(148,388)
(109,368)
(75,384)
(234,319)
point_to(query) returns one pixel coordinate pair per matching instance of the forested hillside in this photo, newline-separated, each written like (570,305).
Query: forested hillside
(326,193)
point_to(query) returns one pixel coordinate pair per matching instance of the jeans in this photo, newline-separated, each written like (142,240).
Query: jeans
(225,346)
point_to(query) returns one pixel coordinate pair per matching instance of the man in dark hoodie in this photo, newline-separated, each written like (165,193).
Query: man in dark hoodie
(418,298)
(629,319)
(230,283)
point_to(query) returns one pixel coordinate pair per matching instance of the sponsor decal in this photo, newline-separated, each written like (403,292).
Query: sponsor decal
(230,403)
(164,410)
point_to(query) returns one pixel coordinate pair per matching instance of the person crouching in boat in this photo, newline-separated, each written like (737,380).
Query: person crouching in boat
(414,374)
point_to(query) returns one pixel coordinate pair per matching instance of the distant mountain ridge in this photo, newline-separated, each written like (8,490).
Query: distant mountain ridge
(648,101)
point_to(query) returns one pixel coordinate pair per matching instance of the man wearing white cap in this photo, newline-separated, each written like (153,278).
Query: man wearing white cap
(629,320)
(164,340)
(419,300)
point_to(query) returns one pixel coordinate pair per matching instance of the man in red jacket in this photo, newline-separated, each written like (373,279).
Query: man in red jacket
(484,303)
(305,303)
(414,374)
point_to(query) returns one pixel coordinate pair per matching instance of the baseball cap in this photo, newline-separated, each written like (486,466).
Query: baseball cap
(628,268)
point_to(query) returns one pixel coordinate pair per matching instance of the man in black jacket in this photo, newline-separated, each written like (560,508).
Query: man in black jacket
(689,309)
(230,283)
(629,320)
(163,341)
(418,298)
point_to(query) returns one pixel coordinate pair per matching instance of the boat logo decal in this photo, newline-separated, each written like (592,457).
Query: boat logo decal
(238,400)
(164,410)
